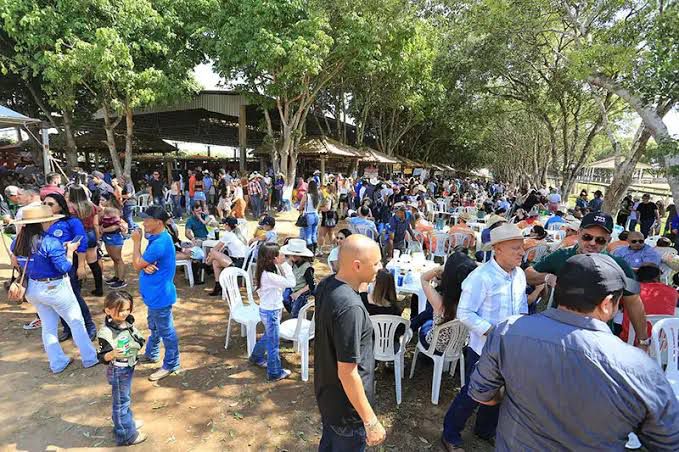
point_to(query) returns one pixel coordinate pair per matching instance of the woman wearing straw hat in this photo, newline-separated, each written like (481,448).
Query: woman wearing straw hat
(49,288)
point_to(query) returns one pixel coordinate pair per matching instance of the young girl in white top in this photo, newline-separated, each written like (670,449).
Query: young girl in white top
(272,277)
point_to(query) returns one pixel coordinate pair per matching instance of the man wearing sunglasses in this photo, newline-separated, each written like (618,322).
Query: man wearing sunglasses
(593,237)
(637,252)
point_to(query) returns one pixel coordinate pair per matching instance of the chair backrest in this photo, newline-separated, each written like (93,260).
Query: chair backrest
(228,279)
(535,253)
(442,246)
(652,240)
(557,234)
(301,334)
(650,318)
(457,333)
(460,239)
(366,230)
(144,200)
(385,327)
(431,206)
(670,328)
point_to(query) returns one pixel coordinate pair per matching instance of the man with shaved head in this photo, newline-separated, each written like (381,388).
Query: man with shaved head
(344,364)
(637,252)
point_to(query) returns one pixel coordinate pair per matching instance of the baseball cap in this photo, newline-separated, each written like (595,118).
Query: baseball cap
(11,190)
(504,233)
(600,219)
(156,212)
(98,174)
(268,221)
(594,273)
(231,221)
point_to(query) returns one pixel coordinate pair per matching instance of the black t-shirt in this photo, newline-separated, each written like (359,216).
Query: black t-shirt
(344,333)
(156,188)
(646,210)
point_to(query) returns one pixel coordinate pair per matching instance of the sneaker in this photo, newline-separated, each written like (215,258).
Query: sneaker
(262,364)
(64,336)
(111,280)
(33,324)
(118,285)
(448,447)
(97,294)
(141,437)
(160,374)
(138,423)
(285,373)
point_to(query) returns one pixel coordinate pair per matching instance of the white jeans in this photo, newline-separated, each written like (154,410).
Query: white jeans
(52,300)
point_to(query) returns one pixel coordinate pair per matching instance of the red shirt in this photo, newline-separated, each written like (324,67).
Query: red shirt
(658,298)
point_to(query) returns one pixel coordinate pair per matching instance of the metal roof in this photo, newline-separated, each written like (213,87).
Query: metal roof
(10,118)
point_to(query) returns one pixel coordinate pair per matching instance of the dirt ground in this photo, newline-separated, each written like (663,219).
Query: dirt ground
(218,402)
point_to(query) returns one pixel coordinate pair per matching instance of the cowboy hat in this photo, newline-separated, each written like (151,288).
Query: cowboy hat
(254,174)
(37,214)
(296,247)
(464,216)
(494,218)
(505,233)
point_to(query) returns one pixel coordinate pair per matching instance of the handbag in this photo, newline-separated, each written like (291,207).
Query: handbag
(301,221)
(16,290)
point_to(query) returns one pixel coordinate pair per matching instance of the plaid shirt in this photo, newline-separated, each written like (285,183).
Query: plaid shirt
(489,296)
(254,187)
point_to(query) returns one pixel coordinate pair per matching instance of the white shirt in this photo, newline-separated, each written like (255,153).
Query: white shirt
(272,285)
(489,296)
(334,255)
(234,245)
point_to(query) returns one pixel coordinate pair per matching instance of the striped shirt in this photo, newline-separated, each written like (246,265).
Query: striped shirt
(489,296)
(254,187)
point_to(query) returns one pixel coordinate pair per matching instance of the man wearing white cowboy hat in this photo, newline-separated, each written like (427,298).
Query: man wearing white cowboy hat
(255,194)
(46,262)
(296,297)
(490,294)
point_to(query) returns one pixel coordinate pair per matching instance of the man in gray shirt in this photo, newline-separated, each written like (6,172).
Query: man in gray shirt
(567,382)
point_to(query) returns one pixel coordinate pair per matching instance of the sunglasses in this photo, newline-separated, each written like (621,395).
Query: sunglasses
(636,241)
(598,240)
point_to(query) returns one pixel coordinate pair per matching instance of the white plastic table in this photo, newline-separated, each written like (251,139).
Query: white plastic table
(415,287)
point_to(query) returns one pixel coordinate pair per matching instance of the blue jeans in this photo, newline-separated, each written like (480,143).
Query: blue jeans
(342,438)
(310,232)
(256,205)
(120,379)
(463,407)
(177,206)
(291,306)
(84,309)
(268,344)
(127,216)
(161,324)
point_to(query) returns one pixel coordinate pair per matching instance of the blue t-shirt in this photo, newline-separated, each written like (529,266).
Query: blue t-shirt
(67,229)
(554,219)
(197,227)
(158,290)
(48,261)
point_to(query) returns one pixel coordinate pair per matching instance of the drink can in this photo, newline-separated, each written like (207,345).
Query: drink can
(400,280)
(123,344)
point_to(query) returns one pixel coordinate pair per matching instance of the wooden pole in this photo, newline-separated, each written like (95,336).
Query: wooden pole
(322,169)
(242,136)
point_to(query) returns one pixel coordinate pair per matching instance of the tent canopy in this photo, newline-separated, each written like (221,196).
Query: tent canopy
(10,118)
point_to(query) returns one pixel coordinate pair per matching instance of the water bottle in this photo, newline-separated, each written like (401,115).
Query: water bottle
(123,344)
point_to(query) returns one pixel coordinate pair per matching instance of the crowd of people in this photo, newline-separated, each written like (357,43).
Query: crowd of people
(502,252)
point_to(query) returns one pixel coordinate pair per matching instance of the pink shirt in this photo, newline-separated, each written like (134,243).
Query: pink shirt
(50,189)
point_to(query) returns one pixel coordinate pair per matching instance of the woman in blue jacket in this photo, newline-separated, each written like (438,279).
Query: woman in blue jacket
(49,288)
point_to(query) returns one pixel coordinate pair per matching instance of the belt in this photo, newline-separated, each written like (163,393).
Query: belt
(56,278)
(118,363)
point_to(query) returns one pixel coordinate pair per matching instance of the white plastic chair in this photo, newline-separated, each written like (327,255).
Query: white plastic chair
(650,318)
(670,328)
(555,226)
(385,327)
(247,315)
(452,354)
(460,239)
(300,331)
(667,271)
(652,240)
(188,270)
(442,246)
(143,201)
(416,243)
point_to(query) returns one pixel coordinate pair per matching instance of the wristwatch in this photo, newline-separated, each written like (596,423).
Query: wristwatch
(645,342)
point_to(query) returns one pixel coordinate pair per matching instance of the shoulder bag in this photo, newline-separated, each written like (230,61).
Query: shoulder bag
(17,290)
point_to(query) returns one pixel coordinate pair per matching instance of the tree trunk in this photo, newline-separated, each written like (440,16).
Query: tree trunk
(71,147)
(129,135)
(622,177)
(109,127)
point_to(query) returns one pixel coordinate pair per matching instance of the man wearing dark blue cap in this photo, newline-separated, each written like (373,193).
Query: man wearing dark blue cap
(156,268)
(593,237)
(565,381)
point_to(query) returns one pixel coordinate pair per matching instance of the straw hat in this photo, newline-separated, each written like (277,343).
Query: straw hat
(505,233)
(296,247)
(37,214)
(254,174)
(464,216)
(494,218)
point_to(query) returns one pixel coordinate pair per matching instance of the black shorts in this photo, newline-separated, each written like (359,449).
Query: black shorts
(237,261)
(343,198)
